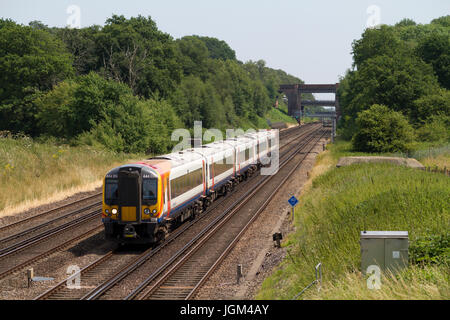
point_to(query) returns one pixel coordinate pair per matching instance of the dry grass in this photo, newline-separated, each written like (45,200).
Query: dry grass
(45,199)
(33,173)
(416,283)
(440,161)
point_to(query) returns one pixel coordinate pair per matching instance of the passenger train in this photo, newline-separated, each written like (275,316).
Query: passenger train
(144,201)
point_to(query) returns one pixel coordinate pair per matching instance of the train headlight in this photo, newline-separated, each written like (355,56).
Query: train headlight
(154,211)
(147,211)
(107,212)
(114,211)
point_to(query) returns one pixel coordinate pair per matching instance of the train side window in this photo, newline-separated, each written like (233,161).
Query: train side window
(223,165)
(186,182)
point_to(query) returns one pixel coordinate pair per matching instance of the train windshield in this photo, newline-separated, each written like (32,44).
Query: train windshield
(149,190)
(111,191)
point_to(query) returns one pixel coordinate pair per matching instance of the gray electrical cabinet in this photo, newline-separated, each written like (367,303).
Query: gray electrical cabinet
(386,249)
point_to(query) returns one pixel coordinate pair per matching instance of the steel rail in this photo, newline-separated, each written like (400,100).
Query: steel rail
(49,252)
(40,226)
(195,244)
(48,234)
(135,263)
(245,228)
(120,275)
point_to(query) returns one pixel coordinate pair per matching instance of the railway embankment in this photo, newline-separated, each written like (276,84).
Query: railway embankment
(37,173)
(338,203)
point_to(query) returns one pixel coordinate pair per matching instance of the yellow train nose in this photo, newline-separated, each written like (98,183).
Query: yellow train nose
(129,214)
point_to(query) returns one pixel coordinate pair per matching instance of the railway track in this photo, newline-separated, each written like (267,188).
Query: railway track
(120,266)
(23,254)
(188,269)
(22,224)
(28,232)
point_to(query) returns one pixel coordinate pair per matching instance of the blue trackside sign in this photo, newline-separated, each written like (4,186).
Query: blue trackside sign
(293,201)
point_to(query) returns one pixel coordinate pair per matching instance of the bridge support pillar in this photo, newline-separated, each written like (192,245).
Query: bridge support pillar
(294,100)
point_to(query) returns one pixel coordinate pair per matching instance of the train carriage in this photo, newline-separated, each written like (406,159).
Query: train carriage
(143,201)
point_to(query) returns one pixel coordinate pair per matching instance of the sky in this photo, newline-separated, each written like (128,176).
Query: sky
(308,39)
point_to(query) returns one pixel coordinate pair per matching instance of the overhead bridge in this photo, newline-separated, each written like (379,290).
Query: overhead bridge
(294,94)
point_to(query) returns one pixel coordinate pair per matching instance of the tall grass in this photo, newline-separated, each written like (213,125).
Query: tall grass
(338,206)
(31,171)
(414,283)
(434,156)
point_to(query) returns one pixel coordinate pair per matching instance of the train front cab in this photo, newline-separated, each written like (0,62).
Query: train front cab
(131,215)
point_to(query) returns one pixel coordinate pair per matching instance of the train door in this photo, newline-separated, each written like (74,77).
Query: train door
(130,183)
(166,197)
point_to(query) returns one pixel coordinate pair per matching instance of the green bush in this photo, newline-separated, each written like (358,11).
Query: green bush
(380,129)
(430,249)
(437,128)
(95,111)
(433,104)
(134,125)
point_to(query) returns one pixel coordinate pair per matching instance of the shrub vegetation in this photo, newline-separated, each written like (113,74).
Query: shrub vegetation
(382,130)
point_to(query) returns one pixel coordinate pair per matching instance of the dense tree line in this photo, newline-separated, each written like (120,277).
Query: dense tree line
(406,68)
(126,85)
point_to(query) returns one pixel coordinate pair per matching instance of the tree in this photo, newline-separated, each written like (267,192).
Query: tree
(435,49)
(74,107)
(443,21)
(55,112)
(218,49)
(82,44)
(198,101)
(31,60)
(135,52)
(401,67)
(433,104)
(382,130)
(435,128)
(193,56)
(375,42)
(406,23)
